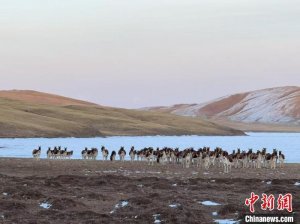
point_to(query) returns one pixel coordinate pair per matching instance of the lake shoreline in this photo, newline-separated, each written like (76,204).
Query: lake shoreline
(246,133)
(142,135)
(286,142)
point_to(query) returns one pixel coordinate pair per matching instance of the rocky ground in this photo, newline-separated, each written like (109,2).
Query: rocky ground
(77,191)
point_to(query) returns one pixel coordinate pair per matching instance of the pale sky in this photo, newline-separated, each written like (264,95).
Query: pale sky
(136,53)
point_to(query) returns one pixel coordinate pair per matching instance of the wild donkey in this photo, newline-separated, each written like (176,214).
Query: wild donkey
(36,153)
(104,153)
(132,153)
(122,154)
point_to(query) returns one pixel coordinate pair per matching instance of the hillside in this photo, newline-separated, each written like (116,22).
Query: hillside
(272,109)
(34,114)
(30,96)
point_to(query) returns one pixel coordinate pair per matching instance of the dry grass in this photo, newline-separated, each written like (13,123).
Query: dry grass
(30,96)
(24,118)
(86,192)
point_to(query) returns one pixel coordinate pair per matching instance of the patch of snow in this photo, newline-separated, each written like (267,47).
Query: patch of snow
(45,205)
(195,173)
(121,204)
(215,213)
(269,182)
(174,185)
(140,185)
(192,110)
(2,217)
(213,181)
(209,203)
(109,171)
(273,105)
(156,218)
(5,194)
(268,106)
(297,184)
(225,221)
(175,205)
(152,172)
(205,173)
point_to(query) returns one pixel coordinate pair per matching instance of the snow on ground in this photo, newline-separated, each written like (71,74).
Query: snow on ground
(193,110)
(45,205)
(209,203)
(267,105)
(225,221)
(157,218)
(121,204)
(174,205)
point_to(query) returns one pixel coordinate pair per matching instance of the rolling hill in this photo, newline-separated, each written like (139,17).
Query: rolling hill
(35,114)
(35,97)
(273,109)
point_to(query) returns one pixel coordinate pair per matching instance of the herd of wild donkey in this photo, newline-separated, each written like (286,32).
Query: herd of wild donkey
(203,157)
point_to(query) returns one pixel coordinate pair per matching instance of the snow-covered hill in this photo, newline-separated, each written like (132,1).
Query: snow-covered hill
(279,105)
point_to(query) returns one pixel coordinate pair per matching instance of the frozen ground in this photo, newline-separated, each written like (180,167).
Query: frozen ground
(77,191)
(289,143)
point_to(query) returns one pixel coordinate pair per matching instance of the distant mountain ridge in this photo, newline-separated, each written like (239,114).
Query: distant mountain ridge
(26,113)
(279,105)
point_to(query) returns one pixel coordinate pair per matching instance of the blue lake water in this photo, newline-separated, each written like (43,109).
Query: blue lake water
(289,143)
